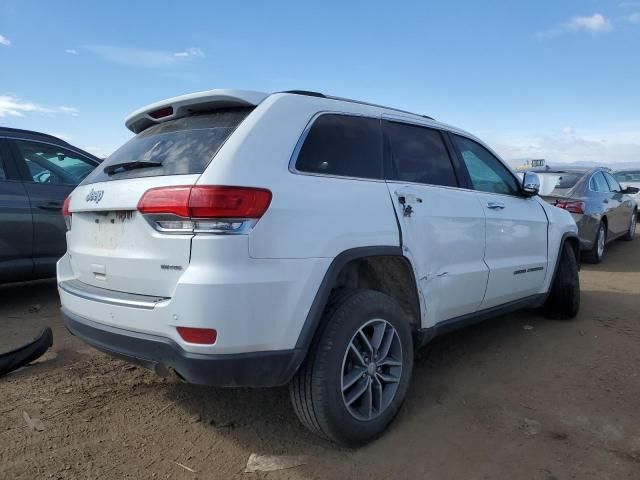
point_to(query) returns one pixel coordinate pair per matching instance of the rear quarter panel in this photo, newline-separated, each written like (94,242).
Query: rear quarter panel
(309,215)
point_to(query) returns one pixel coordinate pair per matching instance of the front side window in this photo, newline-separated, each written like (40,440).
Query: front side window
(614,186)
(598,183)
(418,154)
(51,164)
(487,173)
(342,145)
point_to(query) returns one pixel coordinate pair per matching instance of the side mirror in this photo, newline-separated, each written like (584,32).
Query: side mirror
(630,190)
(530,184)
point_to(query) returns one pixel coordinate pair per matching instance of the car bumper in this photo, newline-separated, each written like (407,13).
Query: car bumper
(260,306)
(162,355)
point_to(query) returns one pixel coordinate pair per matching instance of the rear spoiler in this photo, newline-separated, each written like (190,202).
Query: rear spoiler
(186,104)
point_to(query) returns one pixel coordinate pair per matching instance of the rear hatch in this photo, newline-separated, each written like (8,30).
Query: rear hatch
(111,244)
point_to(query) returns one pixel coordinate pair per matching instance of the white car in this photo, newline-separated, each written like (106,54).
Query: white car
(252,239)
(629,178)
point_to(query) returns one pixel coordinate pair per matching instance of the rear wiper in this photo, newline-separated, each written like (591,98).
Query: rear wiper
(124,166)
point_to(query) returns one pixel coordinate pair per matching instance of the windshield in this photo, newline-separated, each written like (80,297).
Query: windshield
(630,176)
(178,147)
(558,182)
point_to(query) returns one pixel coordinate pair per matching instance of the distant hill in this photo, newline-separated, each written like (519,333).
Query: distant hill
(515,162)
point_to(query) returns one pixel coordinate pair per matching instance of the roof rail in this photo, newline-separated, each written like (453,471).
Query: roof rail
(359,102)
(308,93)
(30,132)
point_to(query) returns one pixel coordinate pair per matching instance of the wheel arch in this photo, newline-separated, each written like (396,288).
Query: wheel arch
(573,240)
(365,263)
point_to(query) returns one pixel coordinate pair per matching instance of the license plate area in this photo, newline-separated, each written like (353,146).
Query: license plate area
(111,230)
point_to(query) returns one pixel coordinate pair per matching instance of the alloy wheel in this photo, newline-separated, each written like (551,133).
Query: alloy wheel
(371,369)
(601,240)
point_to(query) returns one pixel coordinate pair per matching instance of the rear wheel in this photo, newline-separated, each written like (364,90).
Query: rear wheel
(356,374)
(631,233)
(563,301)
(597,251)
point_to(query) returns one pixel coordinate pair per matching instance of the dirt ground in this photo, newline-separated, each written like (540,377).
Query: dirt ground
(499,400)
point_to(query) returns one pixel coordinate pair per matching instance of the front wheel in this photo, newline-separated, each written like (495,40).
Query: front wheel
(356,374)
(632,227)
(563,301)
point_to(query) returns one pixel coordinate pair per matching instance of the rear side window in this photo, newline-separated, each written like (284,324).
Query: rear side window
(598,183)
(181,147)
(342,145)
(418,154)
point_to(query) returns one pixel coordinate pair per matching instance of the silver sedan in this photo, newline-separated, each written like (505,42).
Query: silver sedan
(602,209)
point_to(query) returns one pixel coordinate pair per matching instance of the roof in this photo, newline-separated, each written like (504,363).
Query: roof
(216,99)
(39,136)
(4,131)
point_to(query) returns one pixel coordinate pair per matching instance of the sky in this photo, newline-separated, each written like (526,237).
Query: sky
(545,79)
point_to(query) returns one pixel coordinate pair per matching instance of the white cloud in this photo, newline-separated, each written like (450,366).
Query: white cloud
(140,57)
(569,146)
(71,51)
(629,4)
(190,52)
(11,106)
(4,41)
(634,17)
(595,23)
(70,110)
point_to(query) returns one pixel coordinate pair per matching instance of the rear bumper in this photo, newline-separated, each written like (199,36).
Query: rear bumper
(253,369)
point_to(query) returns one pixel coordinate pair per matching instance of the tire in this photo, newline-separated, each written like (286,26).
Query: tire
(597,251)
(631,233)
(563,301)
(317,388)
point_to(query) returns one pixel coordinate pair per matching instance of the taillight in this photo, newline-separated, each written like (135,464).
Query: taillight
(571,206)
(202,336)
(163,112)
(66,214)
(204,209)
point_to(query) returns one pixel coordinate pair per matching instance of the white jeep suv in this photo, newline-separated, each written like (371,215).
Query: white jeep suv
(252,239)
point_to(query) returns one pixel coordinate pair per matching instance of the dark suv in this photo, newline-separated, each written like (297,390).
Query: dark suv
(37,172)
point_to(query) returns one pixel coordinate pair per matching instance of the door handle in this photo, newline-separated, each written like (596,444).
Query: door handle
(495,205)
(50,206)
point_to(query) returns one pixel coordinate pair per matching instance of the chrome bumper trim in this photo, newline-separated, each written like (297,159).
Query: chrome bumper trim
(112,297)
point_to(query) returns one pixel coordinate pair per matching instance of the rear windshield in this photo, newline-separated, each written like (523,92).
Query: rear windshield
(558,182)
(181,147)
(630,176)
